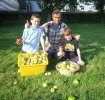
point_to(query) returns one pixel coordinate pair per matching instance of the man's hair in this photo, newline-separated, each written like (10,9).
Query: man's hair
(35,16)
(56,11)
(66,31)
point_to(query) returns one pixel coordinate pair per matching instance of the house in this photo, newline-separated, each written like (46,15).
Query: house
(19,5)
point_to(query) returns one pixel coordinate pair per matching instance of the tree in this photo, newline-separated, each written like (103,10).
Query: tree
(72,5)
(47,6)
(99,6)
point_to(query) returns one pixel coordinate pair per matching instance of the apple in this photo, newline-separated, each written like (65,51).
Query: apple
(59,53)
(18,71)
(15,82)
(44,61)
(44,58)
(64,62)
(71,98)
(32,55)
(52,89)
(44,55)
(40,59)
(19,41)
(24,62)
(75,81)
(46,74)
(55,87)
(61,49)
(49,73)
(45,84)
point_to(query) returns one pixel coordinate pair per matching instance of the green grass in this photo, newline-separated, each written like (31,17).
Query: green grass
(91,76)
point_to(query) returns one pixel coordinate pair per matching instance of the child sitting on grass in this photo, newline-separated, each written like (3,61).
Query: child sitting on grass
(71,48)
(32,36)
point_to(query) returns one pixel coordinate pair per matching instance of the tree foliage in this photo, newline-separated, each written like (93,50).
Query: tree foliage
(47,6)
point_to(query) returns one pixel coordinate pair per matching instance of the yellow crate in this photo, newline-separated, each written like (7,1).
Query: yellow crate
(26,70)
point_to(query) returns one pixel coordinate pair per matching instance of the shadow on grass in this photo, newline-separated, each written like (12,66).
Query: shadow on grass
(88,54)
(52,63)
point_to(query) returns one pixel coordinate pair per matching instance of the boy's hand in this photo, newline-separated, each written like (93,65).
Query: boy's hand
(81,63)
(61,49)
(45,53)
(61,54)
(27,24)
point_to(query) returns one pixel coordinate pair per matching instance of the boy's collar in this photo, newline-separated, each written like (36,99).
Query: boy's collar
(32,27)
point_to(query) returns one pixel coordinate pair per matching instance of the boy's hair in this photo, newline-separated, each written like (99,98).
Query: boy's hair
(66,31)
(35,16)
(56,11)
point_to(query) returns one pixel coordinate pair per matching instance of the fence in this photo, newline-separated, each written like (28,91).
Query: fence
(21,17)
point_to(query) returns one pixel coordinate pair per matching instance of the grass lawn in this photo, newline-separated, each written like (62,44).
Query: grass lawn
(91,76)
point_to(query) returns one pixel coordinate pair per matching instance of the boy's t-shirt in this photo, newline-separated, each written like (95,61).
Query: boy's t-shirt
(31,37)
(70,47)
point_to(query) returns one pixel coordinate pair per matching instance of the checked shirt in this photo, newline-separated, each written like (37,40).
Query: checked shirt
(53,35)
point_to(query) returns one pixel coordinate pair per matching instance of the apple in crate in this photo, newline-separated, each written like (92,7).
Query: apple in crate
(19,41)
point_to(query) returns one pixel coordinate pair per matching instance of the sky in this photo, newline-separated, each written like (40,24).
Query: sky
(86,7)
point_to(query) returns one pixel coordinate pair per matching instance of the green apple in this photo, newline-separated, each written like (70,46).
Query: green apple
(44,61)
(55,87)
(46,74)
(52,89)
(75,81)
(71,98)
(49,73)
(45,84)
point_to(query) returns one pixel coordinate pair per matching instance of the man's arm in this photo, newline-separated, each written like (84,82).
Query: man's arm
(77,37)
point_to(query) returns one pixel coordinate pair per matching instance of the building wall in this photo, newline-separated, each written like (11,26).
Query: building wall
(31,5)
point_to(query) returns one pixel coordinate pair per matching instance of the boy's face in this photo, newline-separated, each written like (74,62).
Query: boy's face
(35,22)
(68,37)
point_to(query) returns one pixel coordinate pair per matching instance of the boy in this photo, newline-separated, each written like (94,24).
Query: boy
(71,48)
(32,36)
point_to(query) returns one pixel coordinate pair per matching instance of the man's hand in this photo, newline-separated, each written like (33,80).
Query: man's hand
(27,24)
(77,37)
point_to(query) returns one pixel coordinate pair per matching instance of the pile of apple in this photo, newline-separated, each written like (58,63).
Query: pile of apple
(67,65)
(33,59)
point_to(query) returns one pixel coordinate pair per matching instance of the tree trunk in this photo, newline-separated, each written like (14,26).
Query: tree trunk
(101,12)
(49,17)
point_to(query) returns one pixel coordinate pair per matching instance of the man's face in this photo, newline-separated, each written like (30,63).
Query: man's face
(56,18)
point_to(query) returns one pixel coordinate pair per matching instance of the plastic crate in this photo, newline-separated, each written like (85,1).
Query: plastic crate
(27,70)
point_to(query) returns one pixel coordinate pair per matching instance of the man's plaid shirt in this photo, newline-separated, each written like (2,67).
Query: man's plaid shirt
(53,34)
